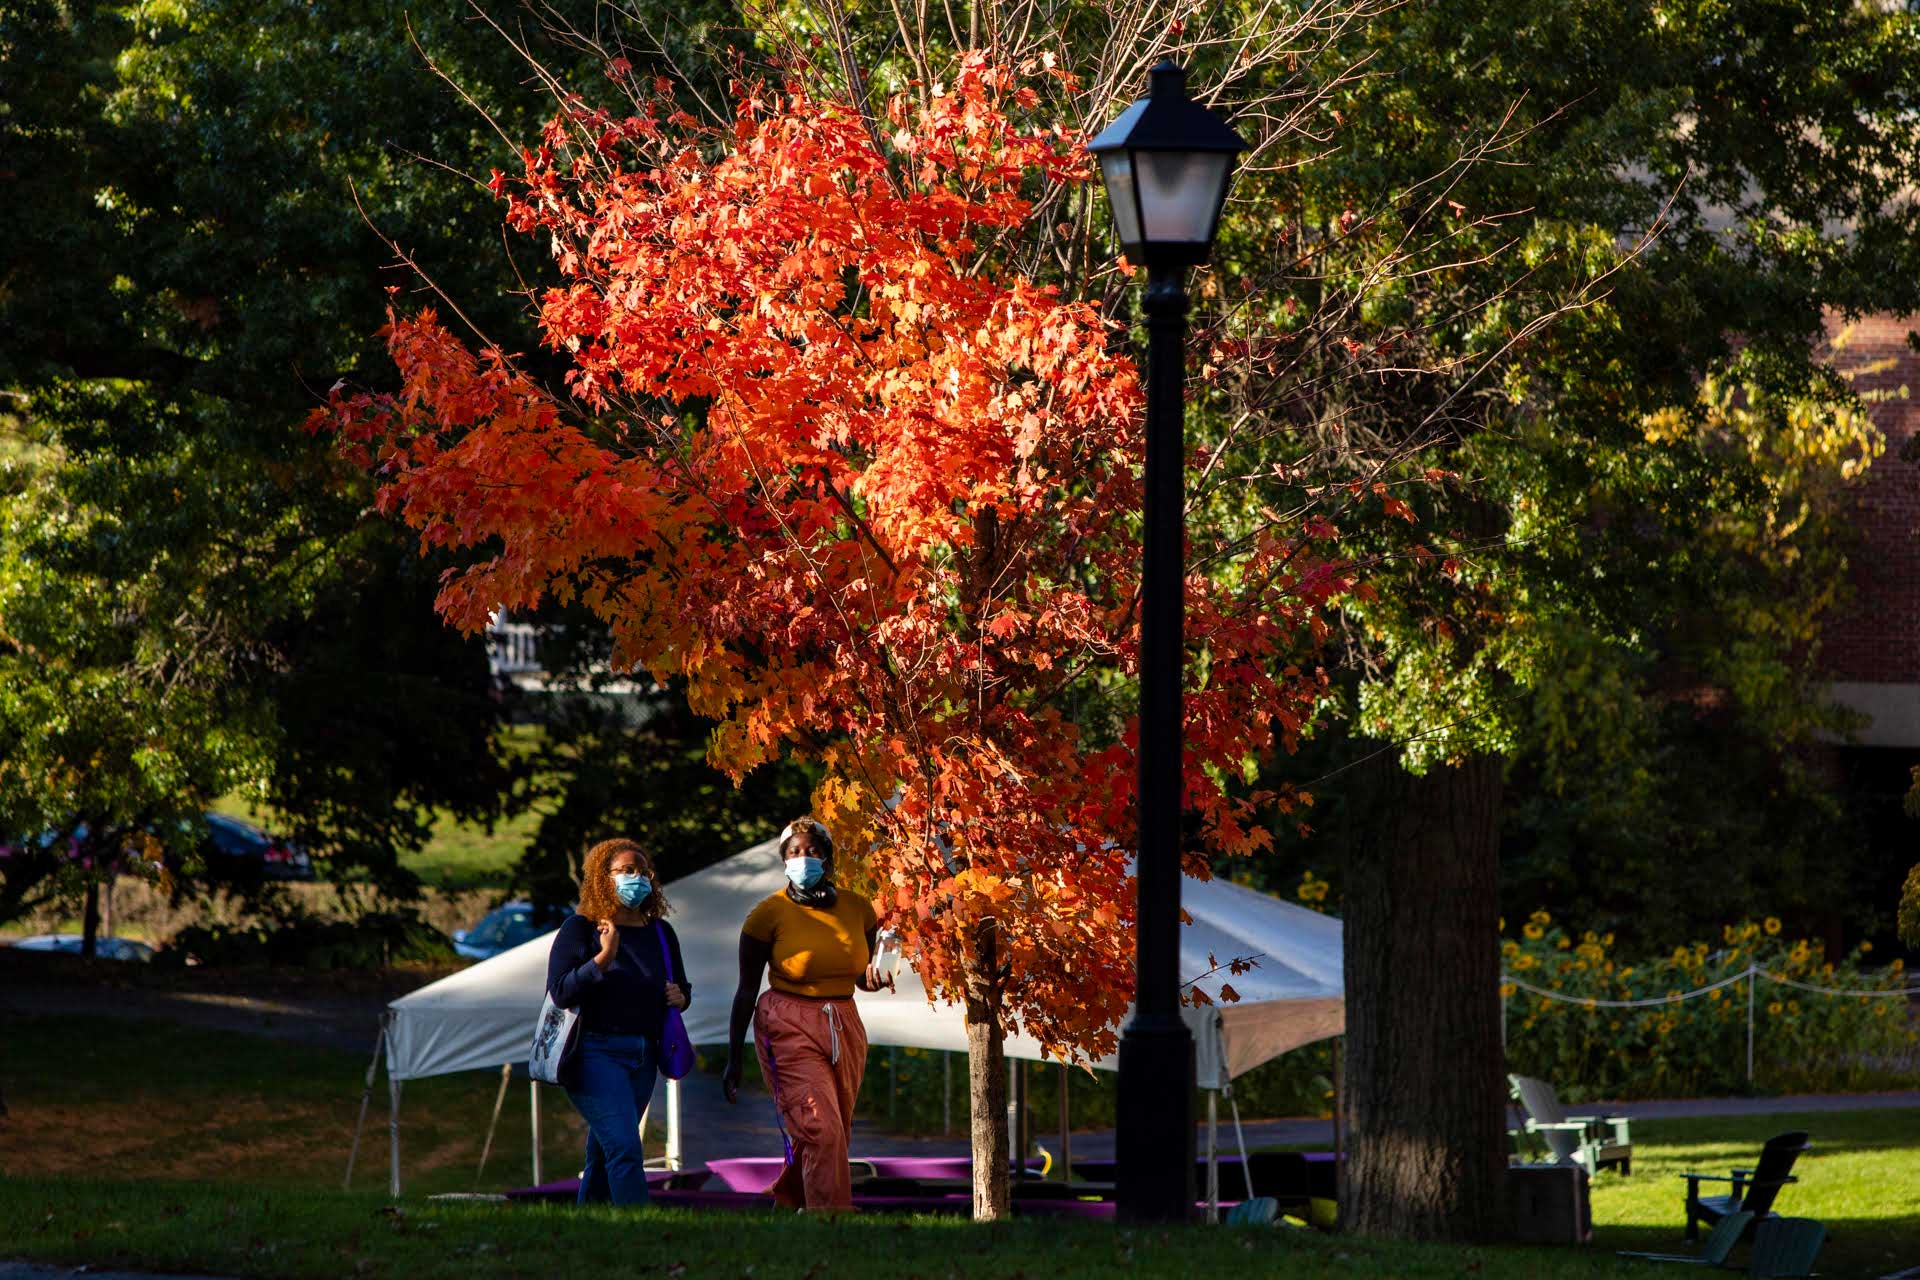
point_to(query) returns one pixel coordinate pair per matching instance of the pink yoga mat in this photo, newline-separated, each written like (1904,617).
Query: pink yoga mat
(754,1174)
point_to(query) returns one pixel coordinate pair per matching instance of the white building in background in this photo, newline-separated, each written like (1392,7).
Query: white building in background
(513,658)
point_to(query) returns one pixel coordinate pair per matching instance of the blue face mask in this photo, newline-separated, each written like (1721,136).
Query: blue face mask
(804,873)
(631,888)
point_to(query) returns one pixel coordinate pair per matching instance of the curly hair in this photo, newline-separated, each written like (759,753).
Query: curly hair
(596,882)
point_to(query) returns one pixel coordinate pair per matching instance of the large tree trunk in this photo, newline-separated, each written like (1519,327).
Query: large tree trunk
(1424,1101)
(987,1079)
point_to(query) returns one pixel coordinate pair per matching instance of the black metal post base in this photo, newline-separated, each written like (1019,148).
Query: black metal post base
(1153,1139)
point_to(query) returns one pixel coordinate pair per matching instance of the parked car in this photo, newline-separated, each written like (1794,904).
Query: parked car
(506,927)
(235,849)
(25,846)
(69,944)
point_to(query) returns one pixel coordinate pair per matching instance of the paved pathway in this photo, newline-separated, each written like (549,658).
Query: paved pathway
(338,1021)
(1784,1105)
(1288,1132)
(710,1127)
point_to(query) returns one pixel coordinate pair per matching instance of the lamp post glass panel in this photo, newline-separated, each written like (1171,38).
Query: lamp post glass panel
(1166,163)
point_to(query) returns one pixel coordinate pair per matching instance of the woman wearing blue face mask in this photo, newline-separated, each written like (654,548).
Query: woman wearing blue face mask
(814,943)
(611,962)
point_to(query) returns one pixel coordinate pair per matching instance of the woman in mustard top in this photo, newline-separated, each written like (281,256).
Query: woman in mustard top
(814,943)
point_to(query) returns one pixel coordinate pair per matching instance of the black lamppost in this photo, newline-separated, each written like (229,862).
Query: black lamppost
(1166,163)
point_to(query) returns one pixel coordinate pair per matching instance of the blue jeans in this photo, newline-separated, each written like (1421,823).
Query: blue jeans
(613,1082)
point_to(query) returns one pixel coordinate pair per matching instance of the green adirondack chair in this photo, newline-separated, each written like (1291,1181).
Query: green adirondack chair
(1720,1242)
(1753,1189)
(1592,1142)
(1261,1211)
(1786,1247)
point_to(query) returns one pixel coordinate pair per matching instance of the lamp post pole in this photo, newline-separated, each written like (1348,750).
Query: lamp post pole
(1154,1141)
(1166,162)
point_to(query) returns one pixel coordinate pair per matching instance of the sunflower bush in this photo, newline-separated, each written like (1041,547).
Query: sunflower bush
(1685,1047)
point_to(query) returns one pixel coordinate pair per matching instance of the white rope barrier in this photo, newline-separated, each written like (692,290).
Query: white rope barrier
(1596,1002)
(1746,975)
(1751,971)
(1834,991)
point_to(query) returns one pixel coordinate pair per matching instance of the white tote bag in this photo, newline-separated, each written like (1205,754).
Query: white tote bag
(553,1039)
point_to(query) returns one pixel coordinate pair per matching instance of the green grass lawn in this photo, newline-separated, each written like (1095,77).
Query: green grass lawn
(167,1148)
(151,1100)
(1861,1178)
(466,855)
(458,856)
(249,1231)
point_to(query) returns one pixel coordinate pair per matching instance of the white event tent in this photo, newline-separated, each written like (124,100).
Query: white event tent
(483,1017)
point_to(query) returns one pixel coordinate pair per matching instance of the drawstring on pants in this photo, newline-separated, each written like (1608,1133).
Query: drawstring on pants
(833,1033)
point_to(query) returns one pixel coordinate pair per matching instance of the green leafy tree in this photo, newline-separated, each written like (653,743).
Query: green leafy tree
(193,596)
(1598,460)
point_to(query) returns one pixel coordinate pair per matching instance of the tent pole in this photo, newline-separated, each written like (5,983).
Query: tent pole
(366,1096)
(1213,1155)
(1066,1131)
(533,1107)
(673,1125)
(393,1136)
(1240,1140)
(499,1099)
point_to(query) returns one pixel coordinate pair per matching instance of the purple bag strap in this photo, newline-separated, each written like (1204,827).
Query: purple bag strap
(666,953)
(773,1070)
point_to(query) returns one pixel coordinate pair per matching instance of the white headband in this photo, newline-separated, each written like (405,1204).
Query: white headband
(814,827)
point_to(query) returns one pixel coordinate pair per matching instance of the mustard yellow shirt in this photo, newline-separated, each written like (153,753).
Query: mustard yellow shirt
(815,952)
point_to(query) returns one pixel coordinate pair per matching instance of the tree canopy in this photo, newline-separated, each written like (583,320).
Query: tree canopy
(194,597)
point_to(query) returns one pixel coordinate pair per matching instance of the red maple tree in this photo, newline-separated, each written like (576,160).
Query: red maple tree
(874,498)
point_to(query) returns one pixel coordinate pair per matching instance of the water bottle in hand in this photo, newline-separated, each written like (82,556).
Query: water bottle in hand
(886,952)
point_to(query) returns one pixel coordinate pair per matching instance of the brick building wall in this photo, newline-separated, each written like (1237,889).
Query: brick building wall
(1872,648)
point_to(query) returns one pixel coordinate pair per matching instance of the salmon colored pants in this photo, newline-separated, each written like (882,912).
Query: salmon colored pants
(813,1053)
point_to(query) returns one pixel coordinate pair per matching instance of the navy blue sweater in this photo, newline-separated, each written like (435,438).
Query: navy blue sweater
(627,998)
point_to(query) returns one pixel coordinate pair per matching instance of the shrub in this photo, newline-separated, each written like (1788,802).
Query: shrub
(1679,1048)
(376,940)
